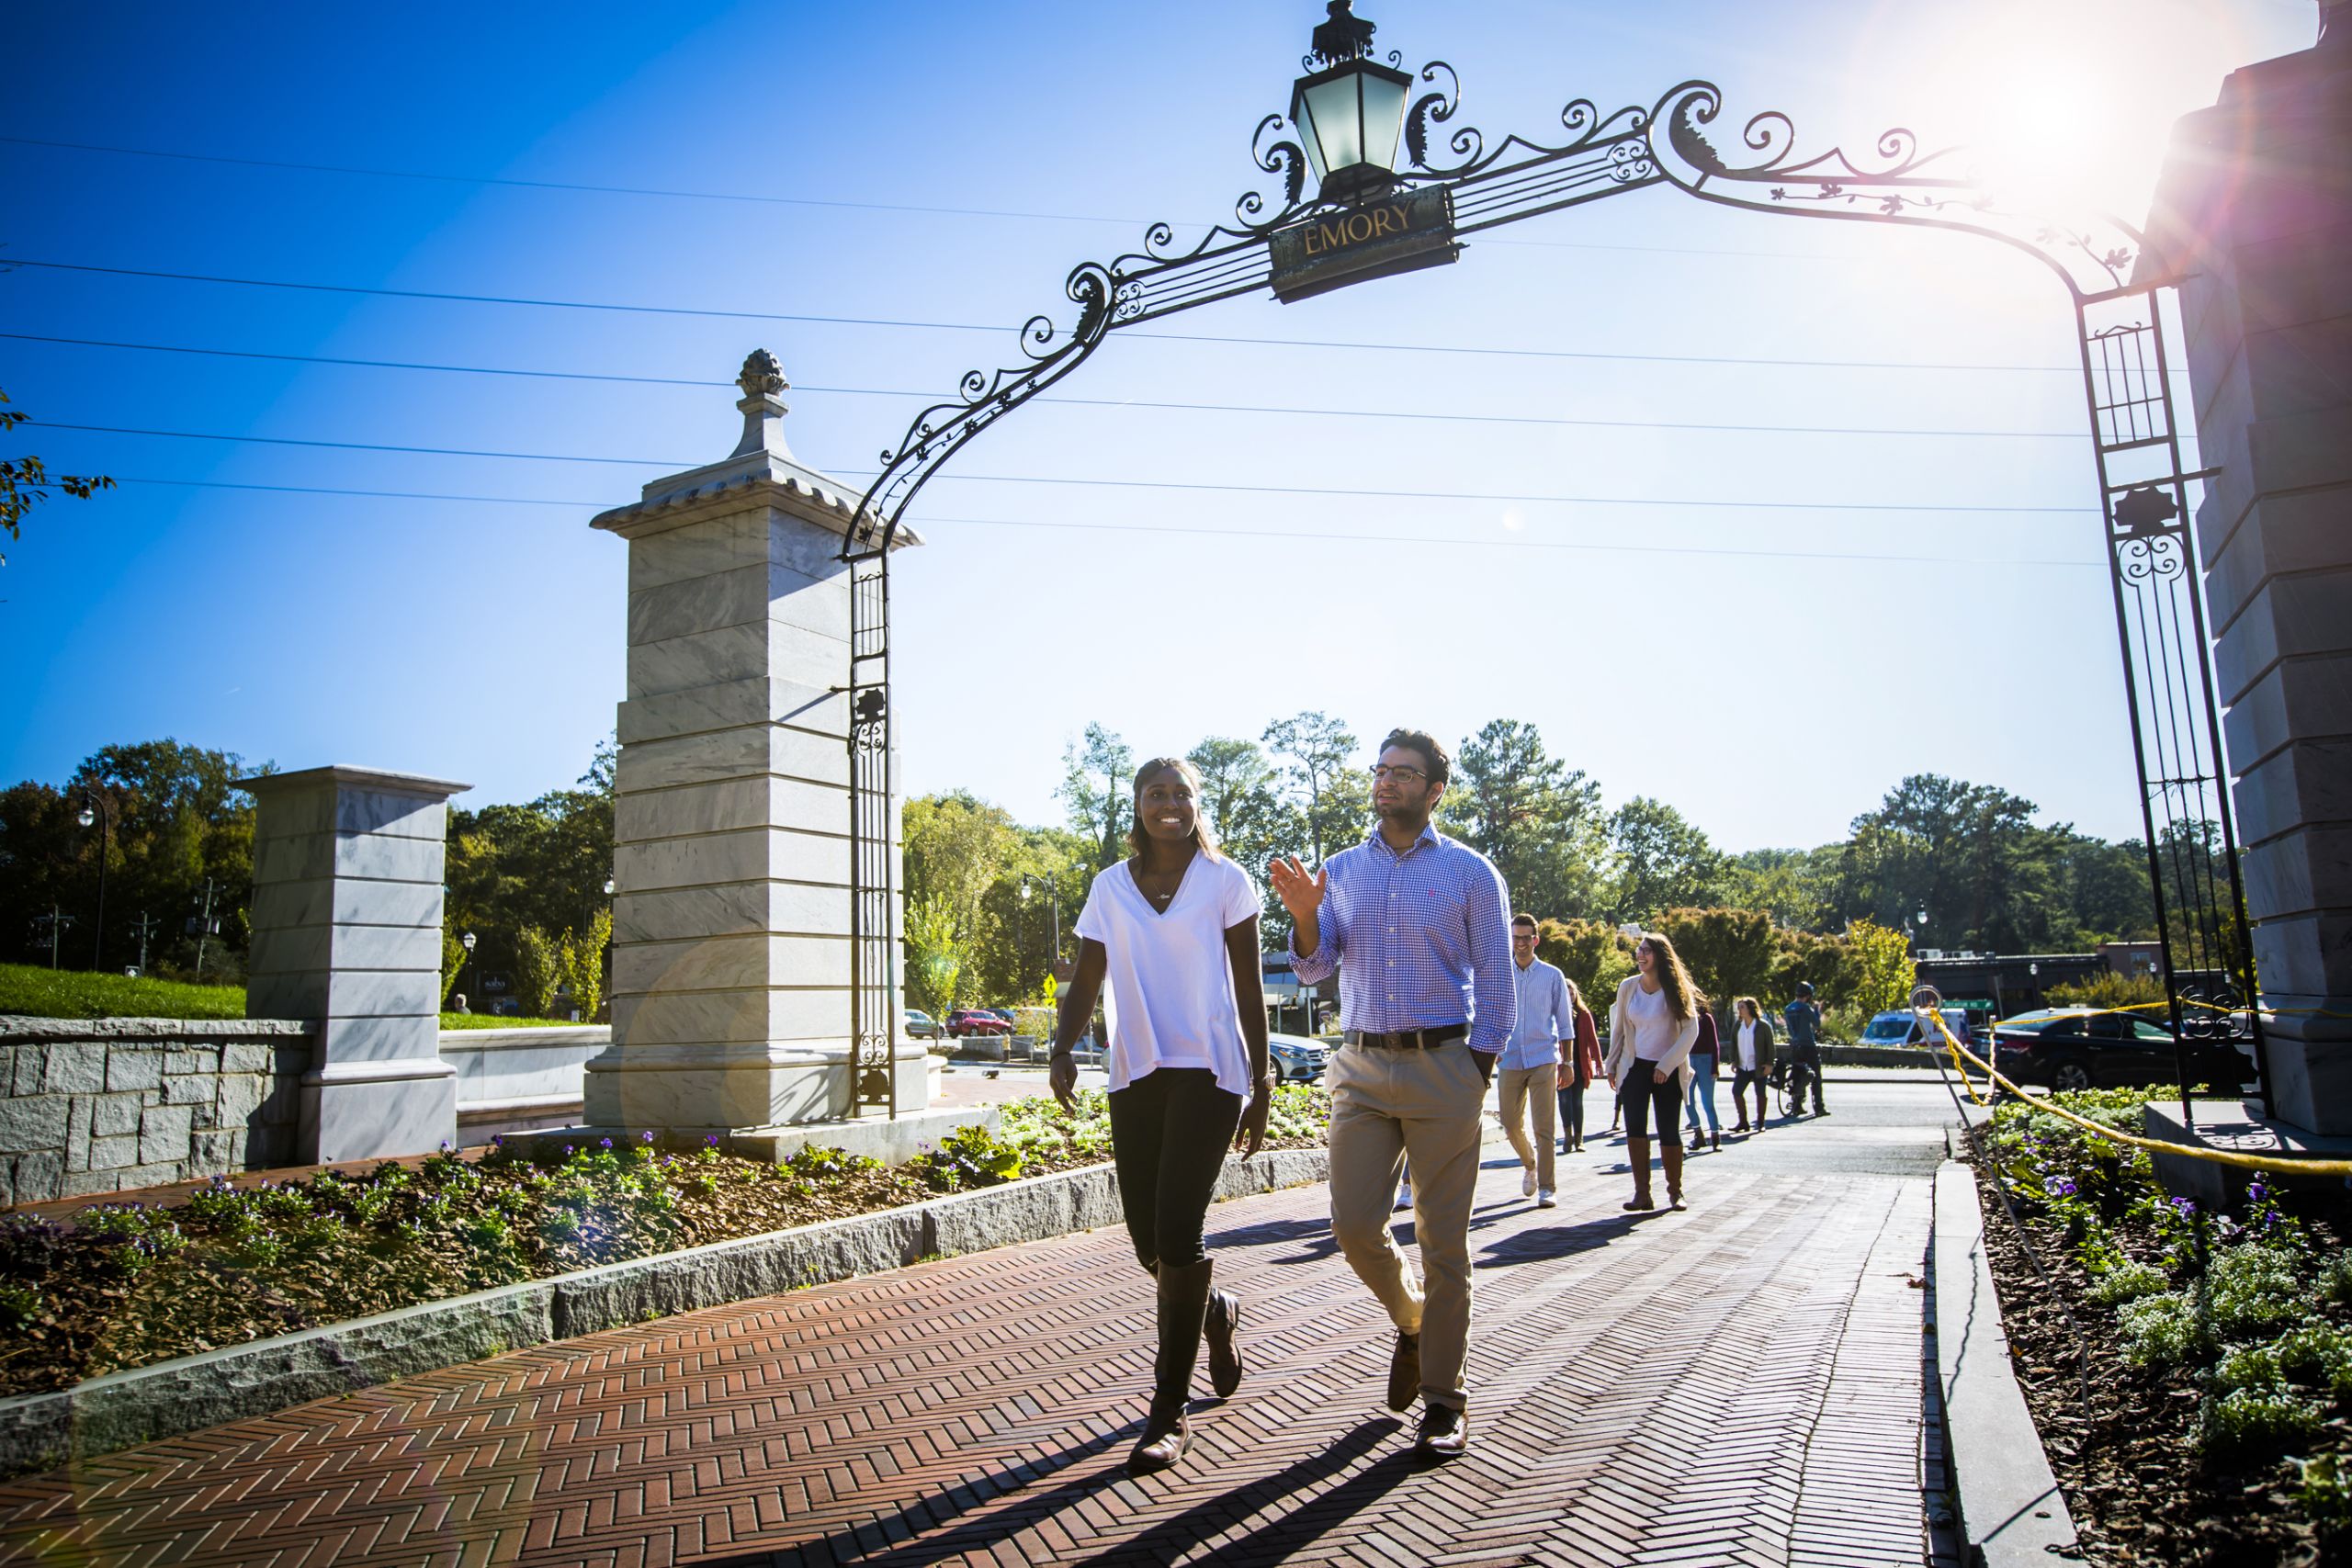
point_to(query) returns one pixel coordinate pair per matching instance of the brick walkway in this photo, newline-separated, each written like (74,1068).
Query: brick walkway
(1740,1383)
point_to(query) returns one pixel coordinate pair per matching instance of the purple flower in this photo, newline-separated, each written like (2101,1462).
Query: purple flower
(604,1142)
(648,1137)
(710,1140)
(444,1146)
(567,1151)
(2184,1207)
(2255,1191)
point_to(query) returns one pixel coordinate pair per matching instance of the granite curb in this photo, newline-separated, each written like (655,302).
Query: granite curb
(120,1410)
(2009,1502)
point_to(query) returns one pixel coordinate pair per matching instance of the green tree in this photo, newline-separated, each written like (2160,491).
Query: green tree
(1539,823)
(1327,790)
(543,864)
(580,965)
(1097,776)
(1796,888)
(453,964)
(1662,861)
(26,482)
(1883,973)
(537,971)
(174,816)
(1730,953)
(1592,953)
(934,957)
(1242,797)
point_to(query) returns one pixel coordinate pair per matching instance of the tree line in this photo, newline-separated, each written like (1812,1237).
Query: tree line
(1974,858)
(988,897)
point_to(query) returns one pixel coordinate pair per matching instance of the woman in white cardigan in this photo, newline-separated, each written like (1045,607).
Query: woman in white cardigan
(1652,1026)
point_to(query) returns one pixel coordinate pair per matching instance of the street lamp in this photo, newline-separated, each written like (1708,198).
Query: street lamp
(473,979)
(1350,113)
(1920,918)
(94,810)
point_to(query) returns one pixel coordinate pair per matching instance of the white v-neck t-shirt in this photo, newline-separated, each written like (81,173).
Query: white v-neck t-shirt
(1168,987)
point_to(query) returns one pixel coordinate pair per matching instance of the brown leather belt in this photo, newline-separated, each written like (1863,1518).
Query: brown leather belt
(1408,1039)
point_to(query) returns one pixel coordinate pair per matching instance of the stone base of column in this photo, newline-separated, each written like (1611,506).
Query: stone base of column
(376,1110)
(692,1091)
(2308,1045)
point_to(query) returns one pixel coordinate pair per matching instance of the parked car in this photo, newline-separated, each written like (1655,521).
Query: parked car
(1297,1058)
(1903,1027)
(972,1021)
(920,1025)
(2069,1048)
(1004,1013)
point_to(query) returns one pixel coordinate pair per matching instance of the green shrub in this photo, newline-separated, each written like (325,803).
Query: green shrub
(2161,1330)
(2252,1417)
(2128,1281)
(2254,1287)
(20,1305)
(2335,1279)
(2325,1489)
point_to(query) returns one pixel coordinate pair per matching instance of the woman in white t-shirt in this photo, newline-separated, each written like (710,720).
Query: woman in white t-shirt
(1652,1027)
(1174,930)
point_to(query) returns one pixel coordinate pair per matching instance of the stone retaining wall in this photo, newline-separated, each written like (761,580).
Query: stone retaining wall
(99,1105)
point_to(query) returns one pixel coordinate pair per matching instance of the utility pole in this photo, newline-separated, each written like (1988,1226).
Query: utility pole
(56,921)
(204,925)
(145,926)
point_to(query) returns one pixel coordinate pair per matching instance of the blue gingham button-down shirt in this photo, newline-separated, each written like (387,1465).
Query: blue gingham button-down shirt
(1420,940)
(1545,1016)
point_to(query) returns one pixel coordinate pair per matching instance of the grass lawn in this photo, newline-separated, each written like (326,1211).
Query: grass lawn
(78,993)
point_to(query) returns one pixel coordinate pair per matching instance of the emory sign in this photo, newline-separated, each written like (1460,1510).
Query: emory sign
(1375,238)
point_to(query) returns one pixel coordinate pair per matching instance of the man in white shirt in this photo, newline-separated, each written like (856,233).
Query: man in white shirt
(1530,1068)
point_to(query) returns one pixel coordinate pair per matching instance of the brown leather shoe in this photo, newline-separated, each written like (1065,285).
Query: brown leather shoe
(1445,1432)
(1405,1371)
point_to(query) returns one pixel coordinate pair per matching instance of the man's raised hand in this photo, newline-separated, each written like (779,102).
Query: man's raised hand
(1301,893)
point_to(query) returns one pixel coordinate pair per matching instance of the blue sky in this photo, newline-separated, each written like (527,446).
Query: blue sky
(1689,651)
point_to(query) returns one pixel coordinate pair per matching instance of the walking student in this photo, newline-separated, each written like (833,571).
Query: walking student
(1174,930)
(1704,1055)
(1529,1073)
(1418,929)
(1751,1061)
(1804,1016)
(1653,1024)
(1576,1073)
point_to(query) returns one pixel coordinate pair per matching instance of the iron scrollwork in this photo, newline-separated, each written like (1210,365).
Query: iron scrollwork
(1900,184)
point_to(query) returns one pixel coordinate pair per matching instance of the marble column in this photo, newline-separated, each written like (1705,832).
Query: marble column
(346,934)
(2254,215)
(731,987)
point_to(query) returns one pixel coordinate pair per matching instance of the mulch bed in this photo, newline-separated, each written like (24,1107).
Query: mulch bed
(126,1285)
(2139,1490)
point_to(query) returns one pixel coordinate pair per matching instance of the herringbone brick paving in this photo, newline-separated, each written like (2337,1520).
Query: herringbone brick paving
(1736,1384)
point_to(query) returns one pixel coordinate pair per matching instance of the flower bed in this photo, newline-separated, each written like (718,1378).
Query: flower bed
(126,1285)
(2217,1346)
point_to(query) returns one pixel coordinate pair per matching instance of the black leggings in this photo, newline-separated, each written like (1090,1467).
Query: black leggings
(1169,1130)
(1641,1093)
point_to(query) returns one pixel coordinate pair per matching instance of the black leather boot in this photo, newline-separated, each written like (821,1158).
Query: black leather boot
(1225,1357)
(1183,1305)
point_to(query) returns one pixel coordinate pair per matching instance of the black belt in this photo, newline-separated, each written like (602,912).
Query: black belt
(1409,1039)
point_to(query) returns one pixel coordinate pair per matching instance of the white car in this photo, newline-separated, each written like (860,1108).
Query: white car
(1297,1058)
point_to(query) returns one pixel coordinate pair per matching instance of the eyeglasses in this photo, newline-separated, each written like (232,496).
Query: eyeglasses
(1523,936)
(1401,776)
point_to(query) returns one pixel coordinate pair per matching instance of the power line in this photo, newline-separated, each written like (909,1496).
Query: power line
(764,200)
(1196,532)
(1105,484)
(1069,401)
(1000,327)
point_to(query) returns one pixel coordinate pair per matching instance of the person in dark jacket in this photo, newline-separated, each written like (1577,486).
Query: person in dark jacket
(1751,1061)
(1704,1059)
(1805,1049)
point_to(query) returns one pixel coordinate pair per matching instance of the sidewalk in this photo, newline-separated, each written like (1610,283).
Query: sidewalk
(1739,1383)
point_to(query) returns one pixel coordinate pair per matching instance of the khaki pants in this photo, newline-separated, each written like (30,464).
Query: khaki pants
(1520,1085)
(1388,1107)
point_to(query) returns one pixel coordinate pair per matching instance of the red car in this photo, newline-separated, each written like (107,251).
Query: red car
(972,1021)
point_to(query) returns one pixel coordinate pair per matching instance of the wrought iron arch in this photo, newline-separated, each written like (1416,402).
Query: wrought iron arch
(1679,140)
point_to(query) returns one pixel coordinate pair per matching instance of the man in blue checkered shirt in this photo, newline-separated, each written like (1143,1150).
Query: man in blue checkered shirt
(1419,928)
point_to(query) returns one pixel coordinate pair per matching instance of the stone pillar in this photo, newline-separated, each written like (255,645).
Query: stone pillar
(346,934)
(731,988)
(2255,216)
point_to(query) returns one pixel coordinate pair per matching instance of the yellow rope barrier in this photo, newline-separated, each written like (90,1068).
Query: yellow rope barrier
(2282,1164)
